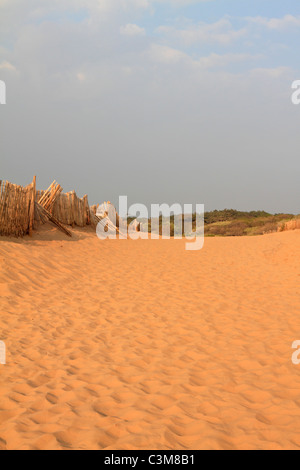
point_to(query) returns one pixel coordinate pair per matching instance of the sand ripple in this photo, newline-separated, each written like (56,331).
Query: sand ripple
(143,345)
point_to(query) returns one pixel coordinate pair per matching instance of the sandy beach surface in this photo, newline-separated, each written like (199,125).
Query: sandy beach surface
(123,344)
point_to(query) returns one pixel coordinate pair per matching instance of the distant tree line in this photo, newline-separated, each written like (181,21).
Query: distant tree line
(227,222)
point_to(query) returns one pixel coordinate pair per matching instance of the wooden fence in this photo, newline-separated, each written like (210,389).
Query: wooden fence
(22,208)
(69,209)
(16,209)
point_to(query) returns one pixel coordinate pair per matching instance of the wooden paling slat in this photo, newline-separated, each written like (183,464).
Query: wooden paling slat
(46,193)
(52,219)
(50,202)
(50,196)
(32,202)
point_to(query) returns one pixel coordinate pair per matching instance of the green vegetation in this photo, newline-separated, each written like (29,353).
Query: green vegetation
(236,223)
(229,222)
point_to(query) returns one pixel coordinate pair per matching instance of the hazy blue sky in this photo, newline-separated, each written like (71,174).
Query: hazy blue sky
(160,100)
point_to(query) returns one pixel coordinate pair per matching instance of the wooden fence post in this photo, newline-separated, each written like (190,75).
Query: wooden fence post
(32,204)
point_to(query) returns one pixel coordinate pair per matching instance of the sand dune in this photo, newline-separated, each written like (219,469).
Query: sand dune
(143,345)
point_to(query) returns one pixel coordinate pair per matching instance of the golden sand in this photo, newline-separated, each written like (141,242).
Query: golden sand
(123,344)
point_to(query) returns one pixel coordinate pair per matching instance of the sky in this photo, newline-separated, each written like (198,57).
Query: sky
(165,101)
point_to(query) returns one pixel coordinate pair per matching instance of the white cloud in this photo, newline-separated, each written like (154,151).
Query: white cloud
(7,66)
(280,24)
(114,5)
(166,55)
(170,56)
(132,30)
(219,60)
(272,73)
(220,32)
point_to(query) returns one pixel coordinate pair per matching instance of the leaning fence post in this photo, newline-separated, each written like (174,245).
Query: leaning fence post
(32,204)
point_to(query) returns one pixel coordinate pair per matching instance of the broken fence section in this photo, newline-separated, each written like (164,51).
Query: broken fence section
(67,208)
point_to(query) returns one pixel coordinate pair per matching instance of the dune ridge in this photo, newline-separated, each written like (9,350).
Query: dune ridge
(123,344)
